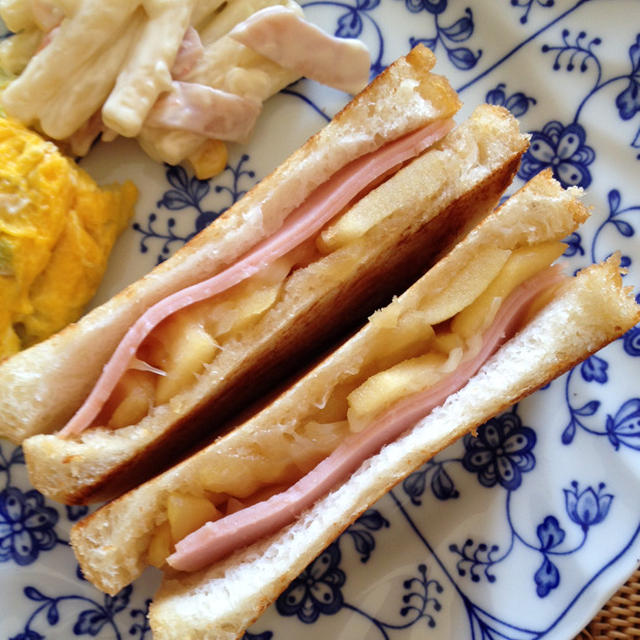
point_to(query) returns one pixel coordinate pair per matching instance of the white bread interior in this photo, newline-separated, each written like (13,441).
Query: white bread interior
(41,387)
(221,601)
(460,180)
(111,543)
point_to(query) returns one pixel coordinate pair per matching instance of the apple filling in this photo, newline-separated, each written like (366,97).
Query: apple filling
(184,345)
(180,348)
(413,349)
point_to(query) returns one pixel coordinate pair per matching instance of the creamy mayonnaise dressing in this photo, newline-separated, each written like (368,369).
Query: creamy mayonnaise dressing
(124,58)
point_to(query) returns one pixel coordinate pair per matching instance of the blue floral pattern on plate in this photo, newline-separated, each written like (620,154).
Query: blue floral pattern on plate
(541,507)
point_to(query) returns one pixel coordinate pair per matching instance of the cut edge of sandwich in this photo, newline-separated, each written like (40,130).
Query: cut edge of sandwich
(221,601)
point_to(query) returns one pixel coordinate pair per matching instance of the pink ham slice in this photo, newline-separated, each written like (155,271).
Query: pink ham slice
(48,39)
(214,540)
(211,113)
(303,222)
(283,36)
(189,53)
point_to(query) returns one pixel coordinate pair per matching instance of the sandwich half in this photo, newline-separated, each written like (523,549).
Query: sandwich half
(202,363)
(489,323)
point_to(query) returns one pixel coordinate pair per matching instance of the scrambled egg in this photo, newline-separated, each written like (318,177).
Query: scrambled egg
(57,228)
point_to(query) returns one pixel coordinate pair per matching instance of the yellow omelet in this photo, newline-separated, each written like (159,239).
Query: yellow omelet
(57,228)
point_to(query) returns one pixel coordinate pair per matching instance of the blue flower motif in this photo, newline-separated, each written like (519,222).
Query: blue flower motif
(624,427)
(518,103)
(26,526)
(562,149)
(316,590)
(434,7)
(547,577)
(594,369)
(587,507)
(628,102)
(631,342)
(501,452)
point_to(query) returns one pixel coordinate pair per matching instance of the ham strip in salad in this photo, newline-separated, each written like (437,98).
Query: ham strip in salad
(211,113)
(280,34)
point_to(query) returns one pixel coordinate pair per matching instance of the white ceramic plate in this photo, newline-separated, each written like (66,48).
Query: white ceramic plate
(492,539)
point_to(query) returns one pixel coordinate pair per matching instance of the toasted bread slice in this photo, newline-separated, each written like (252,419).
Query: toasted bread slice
(430,202)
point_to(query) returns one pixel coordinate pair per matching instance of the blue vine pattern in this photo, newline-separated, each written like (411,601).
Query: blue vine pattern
(457,32)
(90,621)
(500,455)
(28,528)
(616,219)
(186,195)
(562,147)
(585,508)
(621,429)
(318,589)
(502,445)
